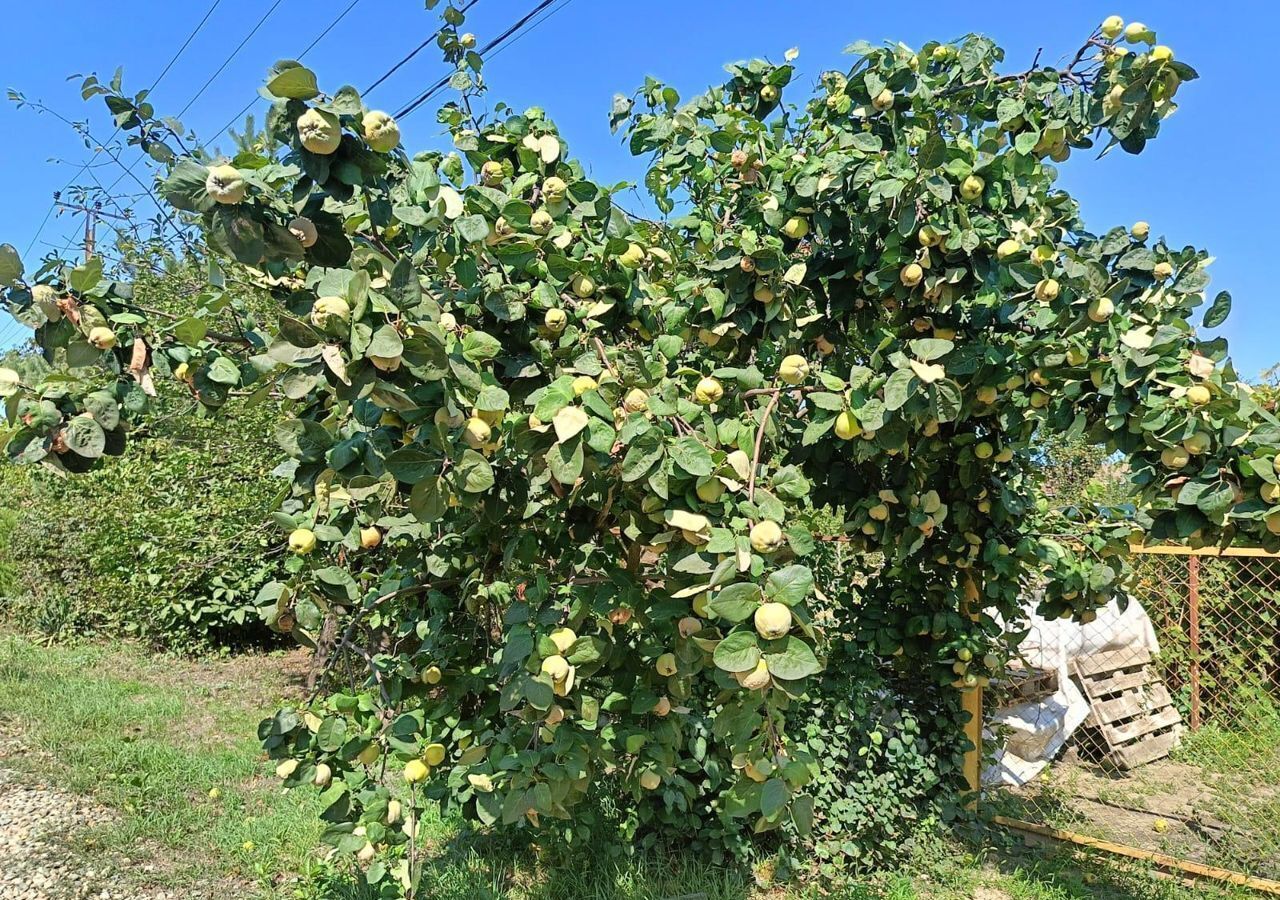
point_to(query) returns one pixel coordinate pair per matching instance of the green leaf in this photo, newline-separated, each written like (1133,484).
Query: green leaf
(473,229)
(413,464)
(794,661)
(739,652)
(929,349)
(191,330)
(476,471)
(790,585)
(294,82)
(85,278)
(224,371)
(897,390)
(735,602)
(692,455)
(641,456)
(10,265)
(1217,313)
(478,346)
(773,797)
(85,437)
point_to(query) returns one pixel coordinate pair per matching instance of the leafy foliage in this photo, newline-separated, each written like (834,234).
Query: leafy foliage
(555,462)
(167,543)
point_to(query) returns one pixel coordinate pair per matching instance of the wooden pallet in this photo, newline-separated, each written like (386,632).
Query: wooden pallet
(1129,706)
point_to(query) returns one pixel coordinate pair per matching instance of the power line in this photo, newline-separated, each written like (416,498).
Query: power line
(415,51)
(321,36)
(496,42)
(165,71)
(204,87)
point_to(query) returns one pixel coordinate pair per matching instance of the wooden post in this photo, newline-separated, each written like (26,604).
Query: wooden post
(971,702)
(1193,597)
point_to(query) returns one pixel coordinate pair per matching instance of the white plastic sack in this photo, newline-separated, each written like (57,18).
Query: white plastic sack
(1038,729)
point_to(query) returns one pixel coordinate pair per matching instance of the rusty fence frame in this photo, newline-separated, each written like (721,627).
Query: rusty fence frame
(972,703)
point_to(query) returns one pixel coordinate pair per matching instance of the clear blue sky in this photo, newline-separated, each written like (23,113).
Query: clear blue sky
(1206,181)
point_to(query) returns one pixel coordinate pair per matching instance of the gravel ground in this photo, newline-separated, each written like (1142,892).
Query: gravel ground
(38,859)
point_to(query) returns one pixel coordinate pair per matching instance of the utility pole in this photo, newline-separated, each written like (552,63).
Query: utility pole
(91,216)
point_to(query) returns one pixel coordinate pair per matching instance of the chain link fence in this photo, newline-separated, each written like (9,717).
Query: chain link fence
(1156,727)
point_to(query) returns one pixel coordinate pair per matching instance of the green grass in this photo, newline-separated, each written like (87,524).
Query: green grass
(150,736)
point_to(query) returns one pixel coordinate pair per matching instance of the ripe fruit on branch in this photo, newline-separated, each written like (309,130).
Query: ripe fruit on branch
(710,490)
(650,780)
(1136,33)
(304,230)
(415,770)
(477,433)
(632,257)
(555,320)
(319,132)
(929,236)
(1112,27)
(1198,444)
(381,132)
(666,665)
(1273,523)
(286,768)
(766,536)
(102,338)
(1008,248)
(1270,493)
(972,187)
(635,401)
(432,675)
(323,775)
(1161,53)
(911,274)
(541,222)
(563,638)
(708,391)
(883,100)
(662,708)
(330,311)
(1162,270)
(225,184)
(755,679)
(492,173)
(554,189)
(467,40)
(1174,457)
(434,754)
(557,667)
(1198,395)
(302,541)
(772,620)
(768,93)
(583,286)
(584,384)
(796,227)
(370,537)
(1140,230)
(689,626)
(763,292)
(847,427)
(793,369)
(1101,309)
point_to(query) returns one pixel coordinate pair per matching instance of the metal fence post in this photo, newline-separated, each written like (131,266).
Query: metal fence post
(1193,597)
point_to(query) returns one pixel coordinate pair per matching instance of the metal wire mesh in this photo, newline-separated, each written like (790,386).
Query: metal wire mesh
(1156,727)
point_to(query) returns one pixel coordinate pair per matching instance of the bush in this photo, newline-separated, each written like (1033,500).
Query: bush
(168,544)
(146,550)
